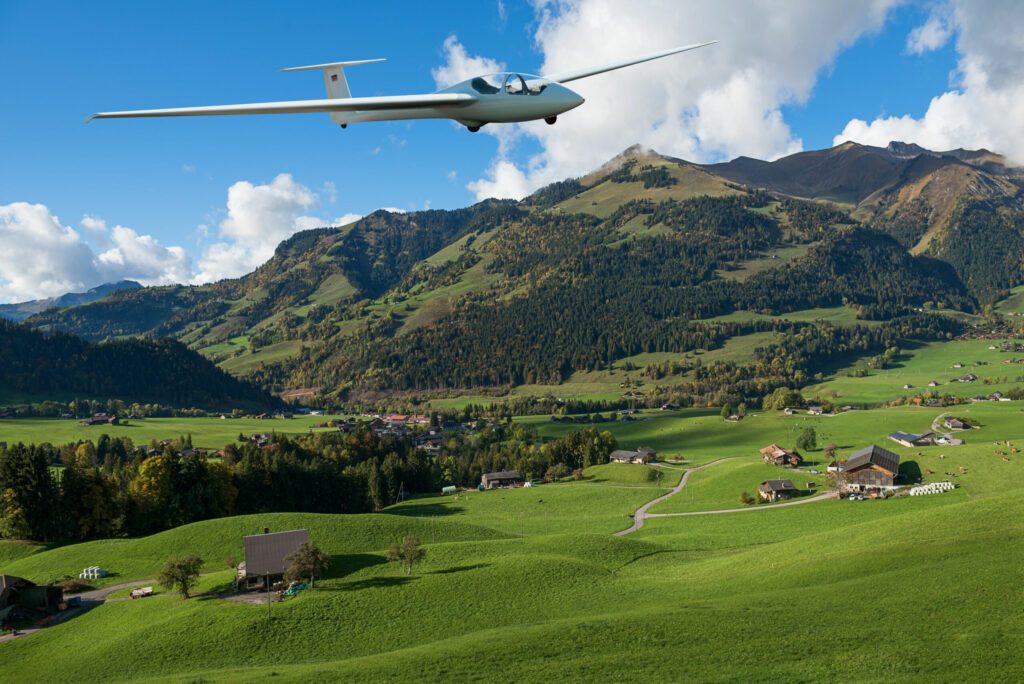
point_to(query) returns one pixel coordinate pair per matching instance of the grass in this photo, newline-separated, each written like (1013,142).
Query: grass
(1014,303)
(772,259)
(922,364)
(904,590)
(210,433)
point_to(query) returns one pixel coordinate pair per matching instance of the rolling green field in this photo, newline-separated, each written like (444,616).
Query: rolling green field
(923,364)
(910,589)
(211,433)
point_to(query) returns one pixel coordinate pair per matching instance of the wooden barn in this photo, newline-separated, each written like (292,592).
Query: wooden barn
(504,478)
(266,556)
(871,468)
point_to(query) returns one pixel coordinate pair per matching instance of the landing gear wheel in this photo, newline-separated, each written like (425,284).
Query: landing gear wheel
(472,129)
(550,121)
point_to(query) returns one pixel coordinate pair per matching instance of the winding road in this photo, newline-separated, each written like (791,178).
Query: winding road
(641,514)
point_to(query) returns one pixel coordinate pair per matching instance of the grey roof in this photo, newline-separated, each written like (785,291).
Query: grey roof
(265,553)
(876,455)
(503,475)
(646,450)
(778,485)
(908,436)
(622,453)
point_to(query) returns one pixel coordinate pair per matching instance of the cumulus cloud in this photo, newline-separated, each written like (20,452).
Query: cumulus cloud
(711,104)
(986,108)
(258,218)
(40,257)
(931,35)
(459,65)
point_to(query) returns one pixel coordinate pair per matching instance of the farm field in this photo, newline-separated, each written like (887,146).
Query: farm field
(211,433)
(539,571)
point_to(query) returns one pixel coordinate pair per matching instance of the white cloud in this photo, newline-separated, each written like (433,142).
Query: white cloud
(96,228)
(714,103)
(143,258)
(929,36)
(987,107)
(258,218)
(40,257)
(188,168)
(460,65)
(346,219)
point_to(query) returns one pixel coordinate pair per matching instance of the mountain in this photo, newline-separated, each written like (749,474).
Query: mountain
(135,370)
(22,310)
(639,256)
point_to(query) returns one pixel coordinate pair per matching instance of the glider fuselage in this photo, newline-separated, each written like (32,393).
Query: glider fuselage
(497,98)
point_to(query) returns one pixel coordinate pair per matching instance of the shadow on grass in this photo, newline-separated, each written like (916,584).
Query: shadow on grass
(910,472)
(424,510)
(375,583)
(349,564)
(460,568)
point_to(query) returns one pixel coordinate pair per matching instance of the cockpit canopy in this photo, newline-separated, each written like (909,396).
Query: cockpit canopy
(509,84)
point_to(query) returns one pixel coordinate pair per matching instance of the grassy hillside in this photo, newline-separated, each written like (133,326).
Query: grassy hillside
(746,596)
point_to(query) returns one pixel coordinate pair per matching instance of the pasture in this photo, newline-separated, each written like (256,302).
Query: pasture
(774,593)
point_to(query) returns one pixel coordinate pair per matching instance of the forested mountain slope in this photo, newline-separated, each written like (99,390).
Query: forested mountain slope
(632,258)
(159,371)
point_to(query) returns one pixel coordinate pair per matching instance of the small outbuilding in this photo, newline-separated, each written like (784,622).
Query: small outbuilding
(777,490)
(640,456)
(501,479)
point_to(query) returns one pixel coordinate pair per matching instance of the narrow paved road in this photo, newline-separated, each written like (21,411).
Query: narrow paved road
(641,513)
(816,497)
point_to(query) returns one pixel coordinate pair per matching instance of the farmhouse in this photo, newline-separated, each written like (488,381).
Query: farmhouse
(99,419)
(504,478)
(871,468)
(909,439)
(954,423)
(933,383)
(815,410)
(969,377)
(776,490)
(640,456)
(776,455)
(266,554)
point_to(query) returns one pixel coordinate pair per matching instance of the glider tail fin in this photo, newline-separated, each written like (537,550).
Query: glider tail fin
(335,82)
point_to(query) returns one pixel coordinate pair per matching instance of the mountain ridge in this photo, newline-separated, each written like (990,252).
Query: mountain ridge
(661,242)
(19,311)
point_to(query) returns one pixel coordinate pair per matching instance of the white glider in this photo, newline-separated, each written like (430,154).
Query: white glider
(494,98)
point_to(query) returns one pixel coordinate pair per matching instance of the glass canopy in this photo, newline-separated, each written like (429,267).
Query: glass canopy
(509,84)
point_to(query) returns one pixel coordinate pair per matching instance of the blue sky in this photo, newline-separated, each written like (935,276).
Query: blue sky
(169,178)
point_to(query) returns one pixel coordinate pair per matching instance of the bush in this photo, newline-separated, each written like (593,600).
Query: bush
(747,499)
(556,472)
(75,586)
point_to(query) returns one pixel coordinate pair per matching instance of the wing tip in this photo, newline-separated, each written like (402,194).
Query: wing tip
(91,117)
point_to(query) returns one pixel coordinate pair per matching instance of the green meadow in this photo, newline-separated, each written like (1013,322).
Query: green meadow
(531,585)
(211,433)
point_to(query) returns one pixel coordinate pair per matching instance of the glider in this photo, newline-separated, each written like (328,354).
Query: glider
(494,98)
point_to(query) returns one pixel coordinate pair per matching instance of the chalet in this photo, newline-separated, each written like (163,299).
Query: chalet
(815,410)
(776,490)
(909,439)
(970,377)
(266,556)
(788,411)
(933,383)
(640,456)
(776,455)
(871,468)
(908,386)
(501,479)
(954,423)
